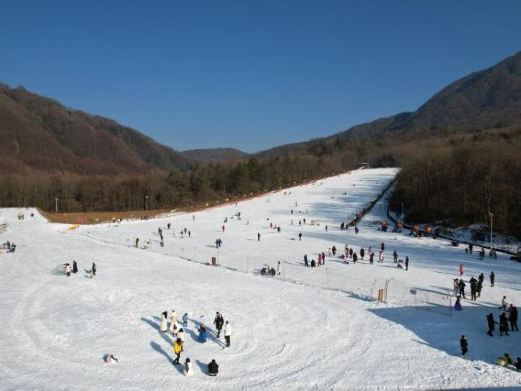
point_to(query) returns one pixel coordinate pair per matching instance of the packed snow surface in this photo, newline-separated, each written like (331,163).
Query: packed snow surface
(305,328)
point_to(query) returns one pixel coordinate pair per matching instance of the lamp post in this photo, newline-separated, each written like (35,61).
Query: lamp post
(56,205)
(402,215)
(146,202)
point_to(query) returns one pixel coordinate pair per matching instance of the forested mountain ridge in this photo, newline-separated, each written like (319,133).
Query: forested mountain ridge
(459,154)
(38,133)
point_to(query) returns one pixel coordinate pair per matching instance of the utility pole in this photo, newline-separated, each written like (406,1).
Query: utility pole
(56,205)
(402,215)
(146,202)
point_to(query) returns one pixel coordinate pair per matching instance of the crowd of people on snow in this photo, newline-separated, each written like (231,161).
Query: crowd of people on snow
(351,254)
(508,314)
(169,323)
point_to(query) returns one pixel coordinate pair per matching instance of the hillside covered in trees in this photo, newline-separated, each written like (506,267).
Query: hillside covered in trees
(459,154)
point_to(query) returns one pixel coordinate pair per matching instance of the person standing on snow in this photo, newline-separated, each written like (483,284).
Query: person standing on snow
(456,286)
(67,270)
(395,256)
(457,305)
(218,322)
(258,236)
(213,368)
(300,236)
(163,323)
(202,333)
(464,344)
(492,278)
(512,318)
(181,335)
(490,322)
(185,320)
(462,286)
(93,270)
(371,257)
(74,267)
(407,263)
(503,324)
(461,269)
(479,287)
(173,321)
(227,333)
(178,348)
(189,369)
(362,253)
(504,304)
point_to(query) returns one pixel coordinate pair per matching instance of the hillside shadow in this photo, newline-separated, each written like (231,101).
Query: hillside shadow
(439,328)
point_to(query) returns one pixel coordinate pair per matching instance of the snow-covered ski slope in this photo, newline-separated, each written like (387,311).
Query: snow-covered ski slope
(304,329)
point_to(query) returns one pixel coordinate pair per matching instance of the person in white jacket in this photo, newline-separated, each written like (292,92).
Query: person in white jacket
(189,369)
(181,335)
(163,324)
(67,269)
(173,322)
(227,333)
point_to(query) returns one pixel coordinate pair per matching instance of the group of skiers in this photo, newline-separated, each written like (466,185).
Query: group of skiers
(68,269)
(177,331)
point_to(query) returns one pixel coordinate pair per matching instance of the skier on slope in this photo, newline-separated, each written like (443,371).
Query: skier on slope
(185,320)
(395,256)
(218,322)
(362,253)
(93,270)
(407,263)
(492,278)
(74,267)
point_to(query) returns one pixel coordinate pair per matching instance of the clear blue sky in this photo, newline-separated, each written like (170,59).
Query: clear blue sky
(249,74)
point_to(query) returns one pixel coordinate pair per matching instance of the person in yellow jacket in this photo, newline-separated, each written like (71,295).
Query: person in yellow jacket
(178,348)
